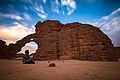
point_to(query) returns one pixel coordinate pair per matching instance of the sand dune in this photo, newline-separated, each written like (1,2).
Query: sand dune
(67,70)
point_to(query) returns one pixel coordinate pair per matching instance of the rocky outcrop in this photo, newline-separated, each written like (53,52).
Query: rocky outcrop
(4,51)
(71,41)
(85,42)
(117,51)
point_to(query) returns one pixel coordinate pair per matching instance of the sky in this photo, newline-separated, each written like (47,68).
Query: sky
(18,17)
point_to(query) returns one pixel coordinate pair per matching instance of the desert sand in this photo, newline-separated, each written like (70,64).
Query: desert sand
(64,70)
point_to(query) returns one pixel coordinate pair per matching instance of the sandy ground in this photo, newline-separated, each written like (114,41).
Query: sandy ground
(67,70)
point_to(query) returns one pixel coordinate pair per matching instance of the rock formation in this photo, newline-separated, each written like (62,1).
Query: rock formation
(117,51)
(52,65)
(71,41)
(4,50)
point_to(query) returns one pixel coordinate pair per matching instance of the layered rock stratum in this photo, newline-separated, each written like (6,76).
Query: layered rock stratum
(68,41)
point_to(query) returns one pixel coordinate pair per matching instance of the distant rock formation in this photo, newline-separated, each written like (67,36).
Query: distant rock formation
(4,50)
(117,51)
(71,41)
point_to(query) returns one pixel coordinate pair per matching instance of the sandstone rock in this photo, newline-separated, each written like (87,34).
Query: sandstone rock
(117,51)
(74,40)
(52,65)
(4,51)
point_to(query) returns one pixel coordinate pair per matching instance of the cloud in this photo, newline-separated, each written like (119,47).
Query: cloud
(12,16)
(31,46)
(14,33)
(38,9)
(27,16)
(42,15)
(57,2)
(70,4)
(109,21)
(115,12)
(61,7)
(44,1)
(55,5)
(110,25)
(70,11)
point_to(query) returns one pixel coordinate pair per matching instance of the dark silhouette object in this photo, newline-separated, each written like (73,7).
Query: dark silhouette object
(4,51)
(27,59)
(52,65)
(49,61)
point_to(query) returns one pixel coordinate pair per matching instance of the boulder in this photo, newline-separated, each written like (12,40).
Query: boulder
(52,65)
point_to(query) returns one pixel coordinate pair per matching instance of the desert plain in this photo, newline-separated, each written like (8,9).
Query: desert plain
(64,70)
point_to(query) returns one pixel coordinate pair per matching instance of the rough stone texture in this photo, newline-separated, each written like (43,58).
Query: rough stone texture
(4,50)
(52,65)
(85,42)
(70,41)
(117,51)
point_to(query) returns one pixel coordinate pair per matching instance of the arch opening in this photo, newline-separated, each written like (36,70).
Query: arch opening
(32,46)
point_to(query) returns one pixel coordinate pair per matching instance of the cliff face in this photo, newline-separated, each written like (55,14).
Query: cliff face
(117,51)
(72,41)
(69,41)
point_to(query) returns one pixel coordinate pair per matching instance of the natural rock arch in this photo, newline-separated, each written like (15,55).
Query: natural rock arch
(14,48)
(32,46)
(72,41)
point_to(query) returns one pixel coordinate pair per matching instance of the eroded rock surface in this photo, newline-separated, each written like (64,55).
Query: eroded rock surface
(117,51)
(71,41)
(4,50)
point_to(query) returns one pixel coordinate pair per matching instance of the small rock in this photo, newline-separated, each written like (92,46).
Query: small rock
(52,65)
